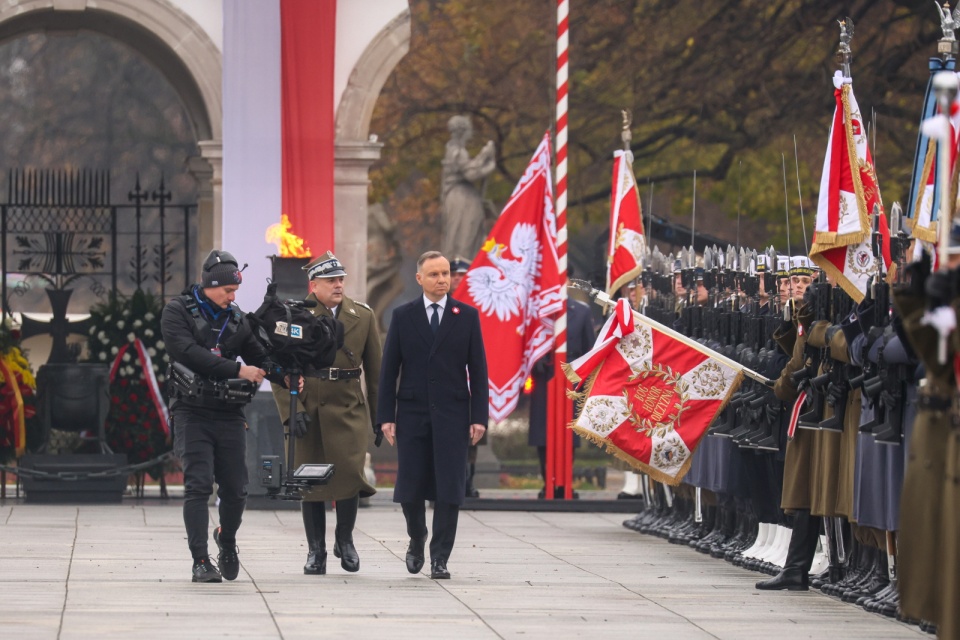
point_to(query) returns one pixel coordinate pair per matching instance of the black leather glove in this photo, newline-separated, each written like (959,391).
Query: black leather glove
(772,410)
(889,400)
(301,422)
(917,273)
(835,393)
(378,434)
(939,289)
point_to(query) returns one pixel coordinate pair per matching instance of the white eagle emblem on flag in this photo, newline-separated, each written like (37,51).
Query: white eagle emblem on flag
(506,287)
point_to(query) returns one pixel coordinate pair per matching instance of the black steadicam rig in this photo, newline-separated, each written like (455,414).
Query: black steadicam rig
(300,343)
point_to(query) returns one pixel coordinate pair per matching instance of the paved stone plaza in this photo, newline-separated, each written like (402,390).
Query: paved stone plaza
(124,572)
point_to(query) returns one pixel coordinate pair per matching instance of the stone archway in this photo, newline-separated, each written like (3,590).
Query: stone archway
(354,151)
(176,45)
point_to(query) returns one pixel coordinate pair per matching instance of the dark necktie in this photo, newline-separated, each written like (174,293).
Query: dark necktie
(435,318)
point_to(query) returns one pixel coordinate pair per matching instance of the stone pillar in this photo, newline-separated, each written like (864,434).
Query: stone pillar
(208,170)
(352,161)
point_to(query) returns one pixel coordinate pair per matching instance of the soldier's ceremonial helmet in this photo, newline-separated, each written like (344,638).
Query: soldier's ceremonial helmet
(459,265)
(783,266)
(801,266)
(326,266)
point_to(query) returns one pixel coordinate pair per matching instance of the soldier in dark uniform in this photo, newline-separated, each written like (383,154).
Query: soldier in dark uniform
(205,331)
(334,416)
(580,339)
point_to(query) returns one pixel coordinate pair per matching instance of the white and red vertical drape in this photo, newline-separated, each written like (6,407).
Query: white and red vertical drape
(278,128)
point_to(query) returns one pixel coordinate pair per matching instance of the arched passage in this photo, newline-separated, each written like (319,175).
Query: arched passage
(176,45)
(354,151)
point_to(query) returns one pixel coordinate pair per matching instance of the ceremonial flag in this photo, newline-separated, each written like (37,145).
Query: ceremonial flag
(924,203)
(649,397)
(514,281)
(848,194)
(626,248)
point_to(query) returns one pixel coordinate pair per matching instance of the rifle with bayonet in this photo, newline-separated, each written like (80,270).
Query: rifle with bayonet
(809,378)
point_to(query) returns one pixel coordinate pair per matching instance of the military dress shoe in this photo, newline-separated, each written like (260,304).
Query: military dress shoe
(228,559)
(349,558)
(438,569)
(204,571)
(415,554)
(785,580)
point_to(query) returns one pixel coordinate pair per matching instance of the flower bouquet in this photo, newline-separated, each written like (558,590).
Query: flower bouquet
(17,395)
(125,333)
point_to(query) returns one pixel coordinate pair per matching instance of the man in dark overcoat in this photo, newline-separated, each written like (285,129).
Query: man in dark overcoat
(433,405)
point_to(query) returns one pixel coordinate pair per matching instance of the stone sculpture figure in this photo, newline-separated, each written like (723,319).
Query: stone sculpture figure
(462,207)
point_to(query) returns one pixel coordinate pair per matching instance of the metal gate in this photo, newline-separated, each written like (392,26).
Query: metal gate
(65,246)
(60,231)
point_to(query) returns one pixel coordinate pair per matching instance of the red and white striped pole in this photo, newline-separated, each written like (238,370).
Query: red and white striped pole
(560,445)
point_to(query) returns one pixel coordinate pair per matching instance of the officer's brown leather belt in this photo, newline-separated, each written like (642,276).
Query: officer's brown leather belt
(934,403)
(334,373)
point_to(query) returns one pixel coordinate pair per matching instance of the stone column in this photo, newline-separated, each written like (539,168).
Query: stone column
(208,170)
(352,161)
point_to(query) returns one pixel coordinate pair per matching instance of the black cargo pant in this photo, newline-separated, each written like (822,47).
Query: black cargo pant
(212,447)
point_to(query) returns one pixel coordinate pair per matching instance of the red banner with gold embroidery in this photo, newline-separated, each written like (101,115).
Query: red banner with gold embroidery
(649,398)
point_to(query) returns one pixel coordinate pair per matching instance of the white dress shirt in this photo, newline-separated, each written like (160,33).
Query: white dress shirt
(426,305)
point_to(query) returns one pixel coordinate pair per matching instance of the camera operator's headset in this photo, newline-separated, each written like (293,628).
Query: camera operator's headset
(193,302)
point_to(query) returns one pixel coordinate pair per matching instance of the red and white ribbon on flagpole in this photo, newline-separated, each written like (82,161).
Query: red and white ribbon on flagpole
(152,385)
(559,409)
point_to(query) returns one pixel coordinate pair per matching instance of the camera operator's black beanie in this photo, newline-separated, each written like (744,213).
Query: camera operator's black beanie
(219,270)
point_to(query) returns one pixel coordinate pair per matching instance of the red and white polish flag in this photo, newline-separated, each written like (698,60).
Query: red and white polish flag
(514,282)
(649,398)
(848,194)
(627,242)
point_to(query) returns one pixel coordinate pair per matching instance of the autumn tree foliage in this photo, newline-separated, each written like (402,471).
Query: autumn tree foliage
(720,87)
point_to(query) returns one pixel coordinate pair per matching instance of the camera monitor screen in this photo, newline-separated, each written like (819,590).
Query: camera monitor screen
(314,471)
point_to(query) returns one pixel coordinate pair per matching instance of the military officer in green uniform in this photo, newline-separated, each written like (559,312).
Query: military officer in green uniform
(927,542)
(333,416)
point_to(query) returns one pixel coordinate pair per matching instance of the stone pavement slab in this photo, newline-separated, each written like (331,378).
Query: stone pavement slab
(123,571)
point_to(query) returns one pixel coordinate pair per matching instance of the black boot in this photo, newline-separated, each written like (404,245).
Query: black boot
(343,538)
(471,490)
(315,526)
(803,544)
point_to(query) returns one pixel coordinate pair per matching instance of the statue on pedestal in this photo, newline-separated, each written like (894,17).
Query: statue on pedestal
(462,207)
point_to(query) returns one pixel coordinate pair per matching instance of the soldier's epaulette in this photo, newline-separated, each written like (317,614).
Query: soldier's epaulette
(362,304)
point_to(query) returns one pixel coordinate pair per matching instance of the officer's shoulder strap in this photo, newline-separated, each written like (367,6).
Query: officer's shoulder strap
(362,304)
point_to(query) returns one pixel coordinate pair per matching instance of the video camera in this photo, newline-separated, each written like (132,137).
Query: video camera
(301,344)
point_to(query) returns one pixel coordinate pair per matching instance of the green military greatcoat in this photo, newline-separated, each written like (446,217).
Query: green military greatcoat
(833,480)
(920,542)
(340,424)
(796,475)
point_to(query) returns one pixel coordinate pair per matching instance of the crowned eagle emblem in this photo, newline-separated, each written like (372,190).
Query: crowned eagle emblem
(506,287)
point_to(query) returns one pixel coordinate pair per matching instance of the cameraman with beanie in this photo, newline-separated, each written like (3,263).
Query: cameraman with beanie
(206,332)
